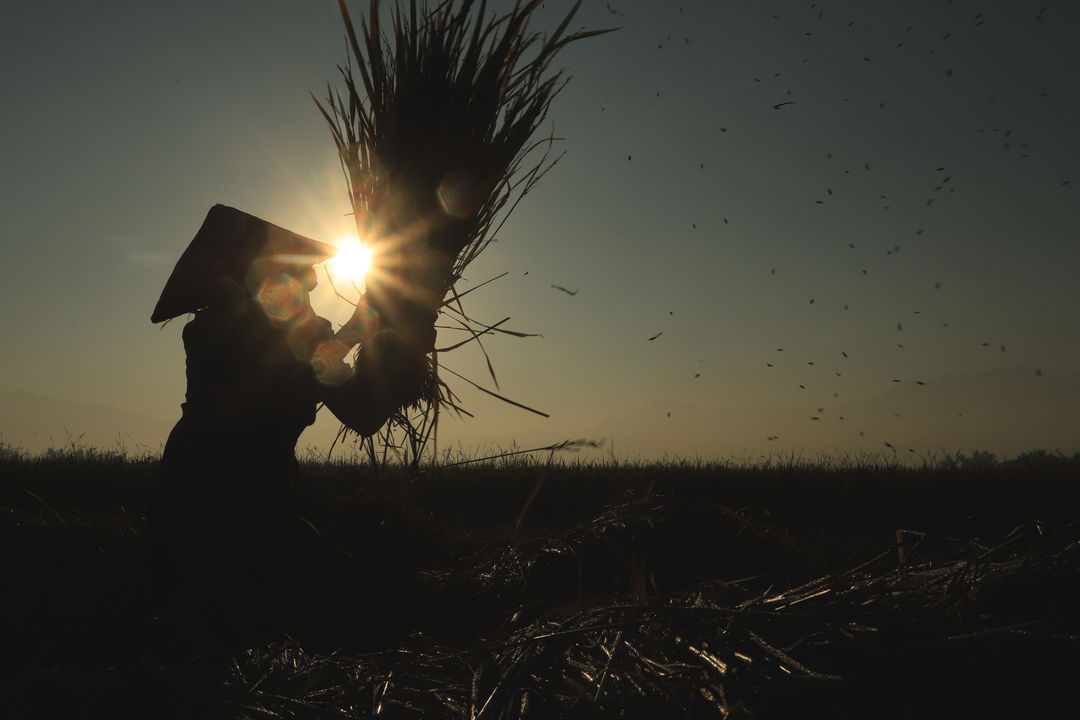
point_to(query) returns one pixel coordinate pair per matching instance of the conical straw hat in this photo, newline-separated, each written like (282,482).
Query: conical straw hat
(226,245)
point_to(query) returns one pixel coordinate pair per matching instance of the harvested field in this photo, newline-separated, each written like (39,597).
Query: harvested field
(676,590)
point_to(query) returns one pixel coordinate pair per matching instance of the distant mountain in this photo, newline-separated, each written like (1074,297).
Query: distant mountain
(35,423)
(1006,411)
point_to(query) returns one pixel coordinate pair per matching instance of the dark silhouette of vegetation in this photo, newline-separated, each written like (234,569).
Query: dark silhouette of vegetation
(434,127)
(792,565)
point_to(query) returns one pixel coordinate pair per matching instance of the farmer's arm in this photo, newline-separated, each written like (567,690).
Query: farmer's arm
(391,372)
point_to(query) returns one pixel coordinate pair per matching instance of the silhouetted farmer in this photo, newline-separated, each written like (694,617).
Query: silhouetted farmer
(432,135)
(259,361)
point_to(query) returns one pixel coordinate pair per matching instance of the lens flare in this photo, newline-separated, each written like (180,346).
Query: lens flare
(282,297)
(457,195)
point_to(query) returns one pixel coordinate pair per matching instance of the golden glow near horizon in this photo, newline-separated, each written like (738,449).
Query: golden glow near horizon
(351,264)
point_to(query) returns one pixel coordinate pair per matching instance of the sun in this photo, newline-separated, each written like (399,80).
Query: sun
(352,262)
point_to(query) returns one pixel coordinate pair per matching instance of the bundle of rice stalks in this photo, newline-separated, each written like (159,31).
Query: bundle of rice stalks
(433,131)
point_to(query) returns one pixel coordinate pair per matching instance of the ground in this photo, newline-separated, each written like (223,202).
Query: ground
(675,590)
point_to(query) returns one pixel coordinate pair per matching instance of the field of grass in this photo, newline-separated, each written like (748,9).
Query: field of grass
(521,588)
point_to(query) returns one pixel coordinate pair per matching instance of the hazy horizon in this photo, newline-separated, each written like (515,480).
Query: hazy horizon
(1030,412)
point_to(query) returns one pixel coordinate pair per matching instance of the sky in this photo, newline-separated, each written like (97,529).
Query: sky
(886,191)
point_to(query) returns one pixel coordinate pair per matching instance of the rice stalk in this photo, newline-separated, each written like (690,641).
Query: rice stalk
(434,126)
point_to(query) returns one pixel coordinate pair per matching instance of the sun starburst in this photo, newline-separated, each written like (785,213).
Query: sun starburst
(352,262)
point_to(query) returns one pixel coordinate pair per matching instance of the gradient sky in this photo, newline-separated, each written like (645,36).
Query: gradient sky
(690,202)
